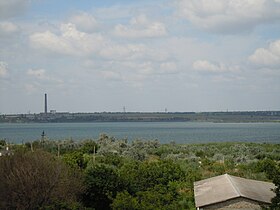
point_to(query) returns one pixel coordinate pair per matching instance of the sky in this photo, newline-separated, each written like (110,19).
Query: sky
(146,56)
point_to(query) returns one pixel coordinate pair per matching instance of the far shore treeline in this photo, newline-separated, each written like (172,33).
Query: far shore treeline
(110,173)
(222,117)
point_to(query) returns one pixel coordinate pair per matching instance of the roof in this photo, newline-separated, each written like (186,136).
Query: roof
(225,187)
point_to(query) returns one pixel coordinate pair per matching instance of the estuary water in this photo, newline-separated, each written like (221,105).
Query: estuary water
(165,132)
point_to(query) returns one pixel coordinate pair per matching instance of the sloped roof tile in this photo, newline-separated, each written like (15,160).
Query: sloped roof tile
(225,187)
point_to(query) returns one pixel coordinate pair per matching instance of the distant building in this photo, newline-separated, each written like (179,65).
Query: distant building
(53,111)
(231,192)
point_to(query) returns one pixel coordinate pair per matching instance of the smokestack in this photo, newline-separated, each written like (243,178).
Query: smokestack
(46,104)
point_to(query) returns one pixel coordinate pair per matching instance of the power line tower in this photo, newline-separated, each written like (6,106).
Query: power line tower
(124,111)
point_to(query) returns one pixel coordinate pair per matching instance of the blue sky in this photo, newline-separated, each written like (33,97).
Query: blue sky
(183,55)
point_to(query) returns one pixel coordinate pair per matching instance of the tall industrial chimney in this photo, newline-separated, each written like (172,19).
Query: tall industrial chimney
(46,104)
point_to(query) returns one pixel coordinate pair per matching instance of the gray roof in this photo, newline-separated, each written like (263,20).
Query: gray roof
(225,187)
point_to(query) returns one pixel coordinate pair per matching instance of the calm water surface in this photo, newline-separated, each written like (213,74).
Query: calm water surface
(180,132)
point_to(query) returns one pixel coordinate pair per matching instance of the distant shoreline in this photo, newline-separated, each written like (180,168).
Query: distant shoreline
(215,117)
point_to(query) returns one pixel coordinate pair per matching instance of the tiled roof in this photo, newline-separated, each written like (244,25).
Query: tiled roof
(225,187)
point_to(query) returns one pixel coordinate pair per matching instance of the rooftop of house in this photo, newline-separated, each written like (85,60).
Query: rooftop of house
(225,187)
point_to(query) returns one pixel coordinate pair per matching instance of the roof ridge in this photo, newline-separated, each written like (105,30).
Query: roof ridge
(233,184)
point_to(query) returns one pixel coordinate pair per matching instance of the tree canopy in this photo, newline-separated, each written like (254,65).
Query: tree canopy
(117,174)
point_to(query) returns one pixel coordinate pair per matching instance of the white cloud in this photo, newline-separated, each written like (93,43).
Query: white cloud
(111,75)
(8,28)
(30,88)
(133,73)
(141,27)
(10,8)
(230,16)
(70,41)
(124,52)
(48,40)
(38,73)
(114,12)
(168,68)
(206,66)
(267,56)
(146,68)
(41,75)
(84,22)
(151,68)
(3,69)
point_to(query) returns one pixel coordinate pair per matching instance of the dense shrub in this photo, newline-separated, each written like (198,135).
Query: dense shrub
(36,179)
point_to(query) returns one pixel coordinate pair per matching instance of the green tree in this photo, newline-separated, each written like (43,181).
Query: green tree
(143,175)
(268,166)
(159,197)
(272,171)
(111,159)
(75,159)
(125,201)
(275,175)
(101,185)
(2,142)
(89,146)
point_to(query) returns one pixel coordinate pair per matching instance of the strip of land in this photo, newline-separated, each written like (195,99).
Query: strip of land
(216,117)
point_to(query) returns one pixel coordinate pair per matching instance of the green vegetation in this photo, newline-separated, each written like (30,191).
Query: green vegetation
(114,174)
(30,180)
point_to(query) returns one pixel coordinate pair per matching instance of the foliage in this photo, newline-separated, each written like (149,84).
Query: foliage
(89,147)
(273,172)
(158,197)
(36,179)
(75,159)
(171,196)
(276,200)
(118,174)
(143,175)
(125,201)
(2,142)
(111,160)
(102,184)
